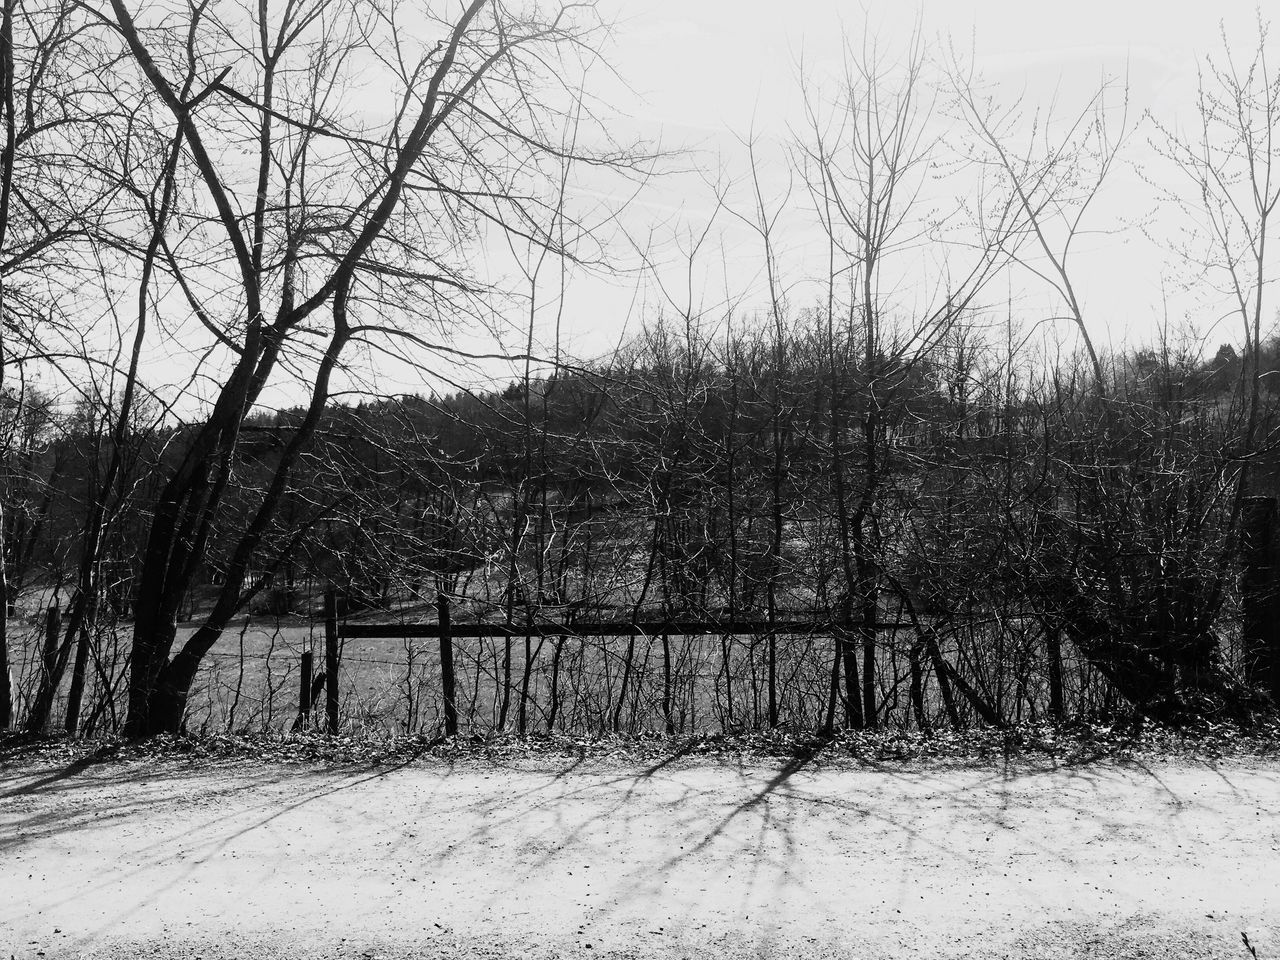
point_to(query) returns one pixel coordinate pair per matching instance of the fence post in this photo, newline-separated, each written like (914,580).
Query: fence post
(304,687)
(446,669)
(1053,650)
(668,723)
(331,658)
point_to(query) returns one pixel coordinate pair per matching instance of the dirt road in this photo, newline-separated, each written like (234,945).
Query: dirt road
(1170,859)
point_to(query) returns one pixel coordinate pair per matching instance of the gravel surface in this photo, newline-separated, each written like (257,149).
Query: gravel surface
(551,857)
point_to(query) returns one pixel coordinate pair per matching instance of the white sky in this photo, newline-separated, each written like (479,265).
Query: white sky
(708,63)
(704,72)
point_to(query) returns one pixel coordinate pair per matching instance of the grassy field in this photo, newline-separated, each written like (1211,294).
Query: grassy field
(250,680)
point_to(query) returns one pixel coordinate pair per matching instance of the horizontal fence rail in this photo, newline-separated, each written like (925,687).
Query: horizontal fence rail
(446,632)
(614,628)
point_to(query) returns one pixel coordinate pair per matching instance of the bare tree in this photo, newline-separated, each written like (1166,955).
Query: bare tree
(869,156)
(1230,191)
(1054,179)
(334,215)
(52,97)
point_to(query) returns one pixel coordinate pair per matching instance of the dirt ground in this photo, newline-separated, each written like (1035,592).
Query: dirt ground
(168,859)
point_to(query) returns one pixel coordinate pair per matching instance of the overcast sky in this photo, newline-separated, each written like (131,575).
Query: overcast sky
(713,63)
(703,73)
(700,75)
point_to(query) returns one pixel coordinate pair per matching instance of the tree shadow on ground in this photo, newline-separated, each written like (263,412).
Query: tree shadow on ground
(670,821)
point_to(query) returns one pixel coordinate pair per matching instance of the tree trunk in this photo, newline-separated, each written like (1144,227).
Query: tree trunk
(1260,595)
(76,692)
(852,694)
(940,670)
(53,662)
(554,710)
(6,678)
(917,687)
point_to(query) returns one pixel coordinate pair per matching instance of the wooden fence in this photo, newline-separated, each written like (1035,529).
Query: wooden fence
(446,631)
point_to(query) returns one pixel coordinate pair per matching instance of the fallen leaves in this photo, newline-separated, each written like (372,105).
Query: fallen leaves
(1069,744)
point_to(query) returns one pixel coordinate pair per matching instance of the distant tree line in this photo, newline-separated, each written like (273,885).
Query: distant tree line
(1047,553)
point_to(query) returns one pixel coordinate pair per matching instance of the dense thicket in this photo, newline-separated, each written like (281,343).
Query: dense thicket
(207,208)
(1044,552)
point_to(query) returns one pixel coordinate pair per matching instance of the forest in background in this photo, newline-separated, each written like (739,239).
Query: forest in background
(1044,554)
